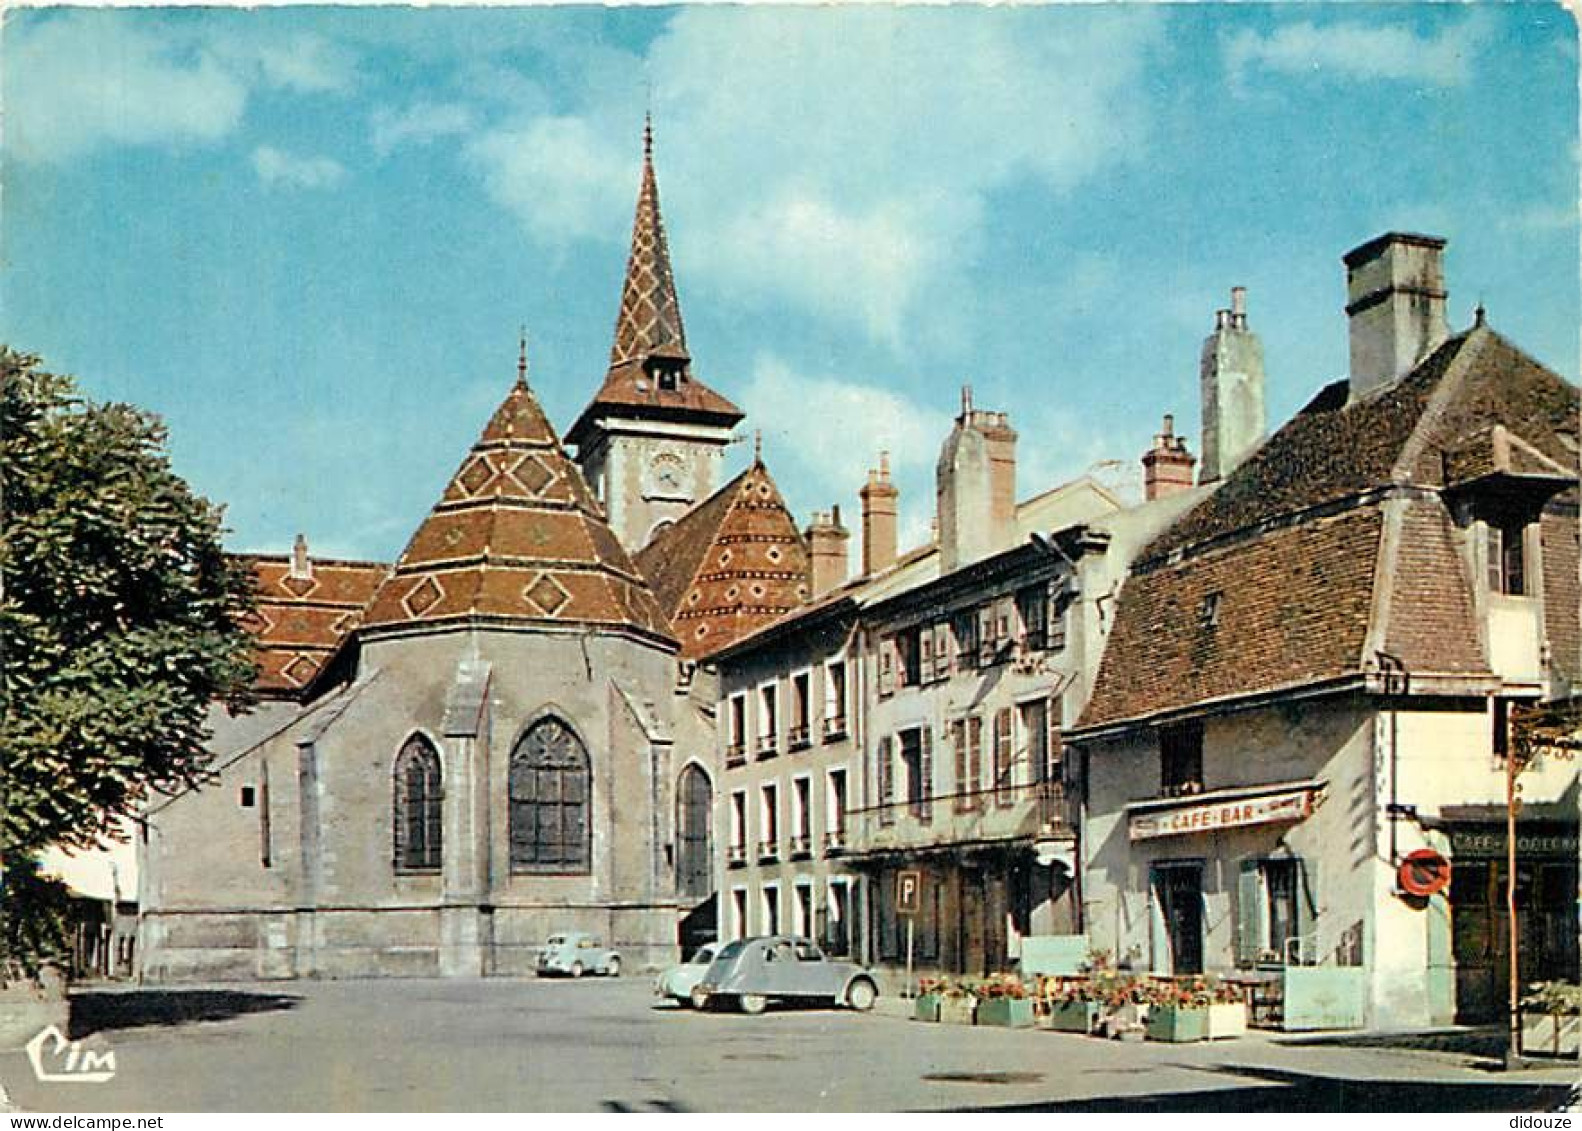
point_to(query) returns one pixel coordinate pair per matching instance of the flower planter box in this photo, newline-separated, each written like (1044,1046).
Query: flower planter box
(926,1007)
(1167,1023)
(1549,1034)
(957,1010)
(1071,1016)
(1227,1019)
(1006,1012)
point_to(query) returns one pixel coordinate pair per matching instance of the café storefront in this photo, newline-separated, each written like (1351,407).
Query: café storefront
(1546,911)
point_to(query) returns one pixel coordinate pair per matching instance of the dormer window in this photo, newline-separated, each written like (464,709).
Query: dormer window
(1507,561)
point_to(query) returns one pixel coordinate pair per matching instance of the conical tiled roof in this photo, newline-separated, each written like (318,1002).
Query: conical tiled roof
(517,537)
(648,326)
(731,565)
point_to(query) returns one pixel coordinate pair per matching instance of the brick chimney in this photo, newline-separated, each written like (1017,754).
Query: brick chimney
(880,503)
(1395,300)
(827,540)
(1167,466)
(975,487)
(1230,375)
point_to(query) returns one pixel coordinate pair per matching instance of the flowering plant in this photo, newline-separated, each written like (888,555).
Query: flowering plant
(1000,986)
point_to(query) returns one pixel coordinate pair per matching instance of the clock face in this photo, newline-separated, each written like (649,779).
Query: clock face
(667,477)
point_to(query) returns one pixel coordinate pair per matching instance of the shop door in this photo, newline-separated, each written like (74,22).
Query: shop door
(1179,890)
(1480,931)
(973,958)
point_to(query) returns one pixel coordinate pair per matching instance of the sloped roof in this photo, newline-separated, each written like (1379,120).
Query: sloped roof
(303,616)
(729,566)
(516,538)
(648,325)
(1292,547)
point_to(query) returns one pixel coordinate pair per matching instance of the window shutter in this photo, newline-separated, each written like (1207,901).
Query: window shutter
(925,762)
(886,782)
(886,667)
(1056,635)
(974,781)
(925,646)
(941,650)
(1307,909)
(958,739)
(1249,912)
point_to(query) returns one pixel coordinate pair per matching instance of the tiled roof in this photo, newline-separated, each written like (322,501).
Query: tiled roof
(731,565)
(303,617)
(647,326)
(516,537)
(1296,540)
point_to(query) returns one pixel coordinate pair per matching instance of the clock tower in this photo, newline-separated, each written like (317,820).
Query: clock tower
(651,441)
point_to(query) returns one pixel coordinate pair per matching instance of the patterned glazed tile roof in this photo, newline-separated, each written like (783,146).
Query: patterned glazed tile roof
(516,538)
(1270,582)
(648,325)
(733,564)
(303,615)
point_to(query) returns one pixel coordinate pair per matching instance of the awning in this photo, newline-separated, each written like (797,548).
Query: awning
(1222,809)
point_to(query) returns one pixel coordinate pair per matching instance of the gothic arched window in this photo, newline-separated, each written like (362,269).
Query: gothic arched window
(694,856)
(419,795)
(549,800)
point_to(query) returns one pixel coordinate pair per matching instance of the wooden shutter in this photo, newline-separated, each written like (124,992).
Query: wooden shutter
(925,770)
(925,661)
(1307,908)
(1249,912)
(974,781)
(941,650)
(958,738)
(886,666)
(886,782)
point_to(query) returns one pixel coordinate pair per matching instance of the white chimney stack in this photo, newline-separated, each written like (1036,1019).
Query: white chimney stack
(1395,300)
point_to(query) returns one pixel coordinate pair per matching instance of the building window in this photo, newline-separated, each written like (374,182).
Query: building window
(1208,611)
(834,699)
(964,627)
(418,798)
(836,935)
(1181,759)
(737,853)
(768,720)
(738,926)
(940,633)
(801,816)
(769,821)
(771,909)
(736,750)
(802,922)
(1033,605)
(801,712)
(835,811)
(1272,914)
(1033,749)
(694,806)
(967,738)
(247,797)
(549,784)
(1004,778)
(1507,558)
(1055,636)
(917,755)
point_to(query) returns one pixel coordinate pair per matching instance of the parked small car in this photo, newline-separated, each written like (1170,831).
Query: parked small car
(577,953)
(750,973)
(677,982)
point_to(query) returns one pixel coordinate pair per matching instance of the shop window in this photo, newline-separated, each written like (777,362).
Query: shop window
(1181,759)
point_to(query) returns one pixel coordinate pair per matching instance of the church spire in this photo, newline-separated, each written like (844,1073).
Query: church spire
(649,322)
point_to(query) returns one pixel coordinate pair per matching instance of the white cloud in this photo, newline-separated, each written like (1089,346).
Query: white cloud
(79,81)
(1356,51)
(563,180)
(275,167)
(838,159)
(419,124)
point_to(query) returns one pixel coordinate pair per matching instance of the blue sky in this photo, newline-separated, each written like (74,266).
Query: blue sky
(307,237)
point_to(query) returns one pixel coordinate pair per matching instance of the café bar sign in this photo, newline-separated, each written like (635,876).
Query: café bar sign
(1288,805)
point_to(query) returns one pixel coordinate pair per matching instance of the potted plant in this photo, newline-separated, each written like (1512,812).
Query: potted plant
(1552,1019)
(956,1005)
(1003,1001)
(1119,996)
(930,992)
(1178,1009)
(1227,1011)
(1071,1006)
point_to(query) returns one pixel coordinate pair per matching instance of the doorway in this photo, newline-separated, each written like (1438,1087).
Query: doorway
(1178,892)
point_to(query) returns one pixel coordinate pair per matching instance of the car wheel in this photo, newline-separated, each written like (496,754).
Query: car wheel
(861,995)
(613,967)
(699,998)
(576,969)
(752,1004)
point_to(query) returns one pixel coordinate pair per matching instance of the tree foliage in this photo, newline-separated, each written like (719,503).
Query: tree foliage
(121,618)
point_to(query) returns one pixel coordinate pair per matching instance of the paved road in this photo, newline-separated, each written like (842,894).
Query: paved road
(604,1045)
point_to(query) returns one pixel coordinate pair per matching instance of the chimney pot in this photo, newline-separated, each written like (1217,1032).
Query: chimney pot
(1395,304)
(975,489)
(880,500)
(1230,381)
(301,564)
(827,543)
(1167,466)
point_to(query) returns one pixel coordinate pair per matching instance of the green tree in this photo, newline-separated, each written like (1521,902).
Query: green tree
(121,618)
